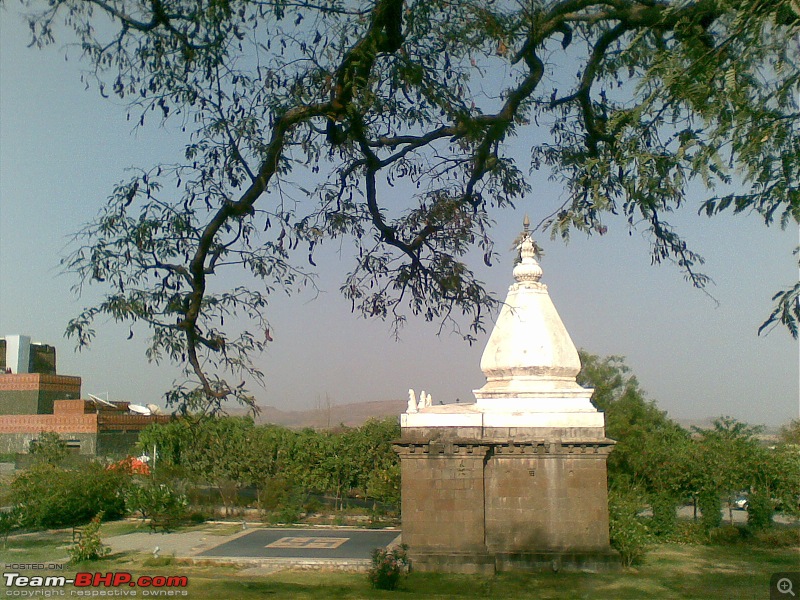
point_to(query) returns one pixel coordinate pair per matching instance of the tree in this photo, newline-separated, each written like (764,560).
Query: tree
(789,434)
(727,459)
(302,116)
(651,457)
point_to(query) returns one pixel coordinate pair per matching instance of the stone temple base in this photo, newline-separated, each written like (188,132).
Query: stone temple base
(489,564)
(494,503)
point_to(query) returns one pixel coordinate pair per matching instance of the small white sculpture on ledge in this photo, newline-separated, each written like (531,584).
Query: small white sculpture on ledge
(425,400)
(412,402)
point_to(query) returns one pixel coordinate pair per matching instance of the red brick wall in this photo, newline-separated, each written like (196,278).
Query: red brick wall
(38,381)
(57,423)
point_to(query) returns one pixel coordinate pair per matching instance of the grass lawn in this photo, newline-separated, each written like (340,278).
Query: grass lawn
(739,571)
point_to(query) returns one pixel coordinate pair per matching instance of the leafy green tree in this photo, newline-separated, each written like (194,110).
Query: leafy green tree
(380,470)
(783,463)
(722,465)
(171,442)
(216,457)
(652,451)
(267,458)
(331,104)
(9,521)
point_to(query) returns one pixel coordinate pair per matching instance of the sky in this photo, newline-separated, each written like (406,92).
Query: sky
(63,148)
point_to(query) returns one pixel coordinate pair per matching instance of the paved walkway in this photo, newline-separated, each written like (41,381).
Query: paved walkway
(259,547)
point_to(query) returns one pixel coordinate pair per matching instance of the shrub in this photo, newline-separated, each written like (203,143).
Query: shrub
(9,521)
(689,532)
(197,517)
(388,567)
(779,537)
(49,448)
(159,502)
(725,535)
(627,532)
(47,496)
(90,546)
(287,514)
(759,511)
(664,518)
(710,509)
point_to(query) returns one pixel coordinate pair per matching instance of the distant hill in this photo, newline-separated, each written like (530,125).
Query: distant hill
(351,415)
(356,414)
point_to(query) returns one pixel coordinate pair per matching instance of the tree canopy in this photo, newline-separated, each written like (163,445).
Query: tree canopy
(388,123)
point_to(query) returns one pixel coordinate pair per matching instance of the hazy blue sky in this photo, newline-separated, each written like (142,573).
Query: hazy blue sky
(62,149)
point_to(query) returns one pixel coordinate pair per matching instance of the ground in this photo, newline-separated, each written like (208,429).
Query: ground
(737,570)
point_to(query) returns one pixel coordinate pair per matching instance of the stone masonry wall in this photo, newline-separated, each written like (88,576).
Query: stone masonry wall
(482,505)
(442,497)
(546,501)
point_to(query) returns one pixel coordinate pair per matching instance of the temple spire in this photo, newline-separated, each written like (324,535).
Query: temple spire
(528,269)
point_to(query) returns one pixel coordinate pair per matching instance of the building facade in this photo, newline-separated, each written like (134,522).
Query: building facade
(35,399)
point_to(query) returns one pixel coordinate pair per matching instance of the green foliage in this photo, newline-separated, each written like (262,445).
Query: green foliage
(283,465)
(158,502)
(730,458)
(388,567)
(89,545)
(652,451)
(628,534)
(283,500)
(789,434)
(710,505)
(783,537)
(629,105)
(665,518)
(47,496)
(726,535)
(657,457)
(759,510)
(9,521)
(49,448)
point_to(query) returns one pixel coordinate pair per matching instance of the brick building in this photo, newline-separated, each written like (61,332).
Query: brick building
(34,399)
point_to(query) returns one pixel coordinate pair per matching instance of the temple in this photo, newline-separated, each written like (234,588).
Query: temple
(517,480)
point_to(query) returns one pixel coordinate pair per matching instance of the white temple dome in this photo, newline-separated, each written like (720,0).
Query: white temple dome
(530,360)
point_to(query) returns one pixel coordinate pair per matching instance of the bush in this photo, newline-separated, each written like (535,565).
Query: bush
(710,509)
(664,518)
(779,537)
(49,448)
(9,521)
(388,567)
(159,502)
(284,501)
(47,496)
(197,517)
(291,513)
(759,511)
(90,546)
(726,535)
(627,532)
(688,532)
